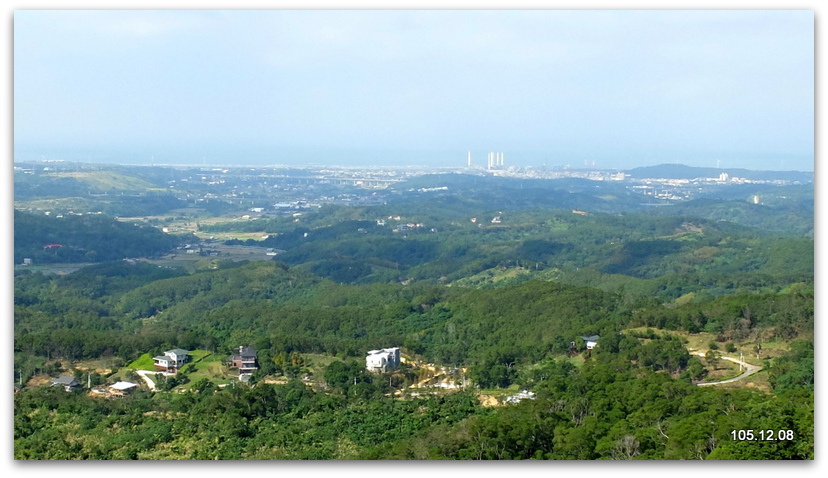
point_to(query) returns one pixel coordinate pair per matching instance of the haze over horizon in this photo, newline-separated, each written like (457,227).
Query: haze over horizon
(619,89)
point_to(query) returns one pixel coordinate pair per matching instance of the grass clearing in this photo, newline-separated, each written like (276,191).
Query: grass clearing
(144,362)
(103,366)
(206,365)
(62,268)
(108,180)
(725,369)
(318,362)
(759,381)
(700,342)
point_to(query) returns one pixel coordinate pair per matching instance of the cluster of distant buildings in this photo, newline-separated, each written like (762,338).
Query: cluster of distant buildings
(245,360)
(493,160)
(117,389)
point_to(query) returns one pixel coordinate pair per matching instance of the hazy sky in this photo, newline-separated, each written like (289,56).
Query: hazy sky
(620,88)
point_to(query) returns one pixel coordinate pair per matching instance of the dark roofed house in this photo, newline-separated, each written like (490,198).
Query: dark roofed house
(244,360)
(590,341)
(67,382)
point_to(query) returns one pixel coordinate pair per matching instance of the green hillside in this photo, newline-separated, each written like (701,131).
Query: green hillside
(87,238)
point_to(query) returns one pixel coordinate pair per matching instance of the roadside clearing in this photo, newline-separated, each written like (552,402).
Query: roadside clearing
(749,370)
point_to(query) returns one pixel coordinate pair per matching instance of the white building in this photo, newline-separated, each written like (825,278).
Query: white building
(590,341)
(383,360)
(171,361)
(522,395)
(119,389)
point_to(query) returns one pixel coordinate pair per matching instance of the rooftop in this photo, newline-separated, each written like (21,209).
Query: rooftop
(65,380)
(123,385)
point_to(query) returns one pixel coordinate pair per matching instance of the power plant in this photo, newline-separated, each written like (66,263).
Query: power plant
(495,161)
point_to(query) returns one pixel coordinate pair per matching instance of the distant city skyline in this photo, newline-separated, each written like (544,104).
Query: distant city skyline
(617,89)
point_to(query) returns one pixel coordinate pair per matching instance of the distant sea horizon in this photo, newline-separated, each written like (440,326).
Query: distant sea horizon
(403,158)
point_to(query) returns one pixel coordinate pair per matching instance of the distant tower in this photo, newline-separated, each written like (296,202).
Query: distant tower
(469,160)
(495,160)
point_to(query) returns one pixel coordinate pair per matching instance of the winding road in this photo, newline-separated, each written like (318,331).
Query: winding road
(150,383)
(749,370)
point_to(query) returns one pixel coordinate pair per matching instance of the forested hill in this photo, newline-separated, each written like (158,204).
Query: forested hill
(274,307)
(467,193)
(86,238)
(662,256)
(787,209)
(794,218)
(631,397)
(680,171)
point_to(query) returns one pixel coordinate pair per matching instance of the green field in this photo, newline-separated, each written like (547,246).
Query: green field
(108,180)
(206,365)
(144,362)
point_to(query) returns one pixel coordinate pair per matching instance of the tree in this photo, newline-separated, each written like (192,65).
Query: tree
(626,448)
(580,344)
(712,358)
(695,369)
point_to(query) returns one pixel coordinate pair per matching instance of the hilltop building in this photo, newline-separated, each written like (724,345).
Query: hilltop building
(590,341)
(244,360)
(383,360)
(171,361)
(67,382)
(121,389)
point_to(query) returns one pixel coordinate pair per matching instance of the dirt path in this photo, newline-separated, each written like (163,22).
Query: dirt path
(749,370)
(143,374)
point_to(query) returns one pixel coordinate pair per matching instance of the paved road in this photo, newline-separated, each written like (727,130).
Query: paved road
(144,374)
(749,370)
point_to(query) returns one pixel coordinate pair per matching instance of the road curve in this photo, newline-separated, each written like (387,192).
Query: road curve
(143,374)
(749,370)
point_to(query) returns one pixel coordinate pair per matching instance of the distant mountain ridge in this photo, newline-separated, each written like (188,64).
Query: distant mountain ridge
(680,171)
